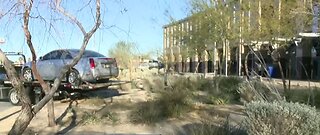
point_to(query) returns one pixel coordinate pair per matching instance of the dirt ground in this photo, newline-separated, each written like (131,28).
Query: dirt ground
(77,117)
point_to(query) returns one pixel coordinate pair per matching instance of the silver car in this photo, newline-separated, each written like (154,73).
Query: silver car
(93,67)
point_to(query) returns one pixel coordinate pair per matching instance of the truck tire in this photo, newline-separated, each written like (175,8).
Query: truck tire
(13,97)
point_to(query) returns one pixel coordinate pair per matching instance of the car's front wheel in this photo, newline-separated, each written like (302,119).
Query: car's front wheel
(13,97)
(27,75)
(73,78)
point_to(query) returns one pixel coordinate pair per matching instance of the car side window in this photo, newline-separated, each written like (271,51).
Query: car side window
(65,55)
(52,55)
(56,55)
(47,56)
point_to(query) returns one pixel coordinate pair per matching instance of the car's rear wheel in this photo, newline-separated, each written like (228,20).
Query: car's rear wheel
(13,97)
(73,77)
(27,75)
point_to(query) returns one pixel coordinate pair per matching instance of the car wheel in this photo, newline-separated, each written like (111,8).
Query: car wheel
(27,75)
(73,78)
(13,97)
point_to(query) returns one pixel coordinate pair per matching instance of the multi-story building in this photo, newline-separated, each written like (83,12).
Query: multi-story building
(258,28)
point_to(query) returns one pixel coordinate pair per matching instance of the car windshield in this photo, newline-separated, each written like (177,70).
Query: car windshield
(87,54)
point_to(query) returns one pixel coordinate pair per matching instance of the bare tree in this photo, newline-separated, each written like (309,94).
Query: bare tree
(27,111)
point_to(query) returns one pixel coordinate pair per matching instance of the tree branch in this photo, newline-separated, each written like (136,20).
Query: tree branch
(71,17)
(26,17)
(66,68)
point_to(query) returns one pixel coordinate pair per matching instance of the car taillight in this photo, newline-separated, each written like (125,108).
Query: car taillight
(92,65)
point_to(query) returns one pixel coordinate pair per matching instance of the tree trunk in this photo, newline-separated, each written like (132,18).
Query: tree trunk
(27,112)
(282,76)
(246,65)
(22,121)
(51,117)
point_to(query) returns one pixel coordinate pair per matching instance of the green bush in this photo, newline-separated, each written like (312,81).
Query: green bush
(281,118)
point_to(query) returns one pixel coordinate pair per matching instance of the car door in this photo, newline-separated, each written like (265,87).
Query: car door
(47,66)
(58,64)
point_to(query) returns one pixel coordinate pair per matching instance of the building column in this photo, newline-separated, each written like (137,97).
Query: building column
(205,62)
(194,63)
(214,59)
(179,64)
(187,64)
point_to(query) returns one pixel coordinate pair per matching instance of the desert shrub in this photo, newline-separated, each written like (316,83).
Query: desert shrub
(227,88)
(175,101)
(184,84)
(257,90)
(305,96)
(211,128)
(281,118)
(148,112)
(221,90)
(218,100)
(111,116)
(171,102)
(90,119)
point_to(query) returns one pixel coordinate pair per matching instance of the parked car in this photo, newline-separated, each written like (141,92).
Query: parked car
(143,66)
(153,64)
(93,67)
(150,65)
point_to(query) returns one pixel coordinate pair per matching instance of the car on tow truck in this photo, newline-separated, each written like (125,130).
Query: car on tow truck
(101,69)
(93,67)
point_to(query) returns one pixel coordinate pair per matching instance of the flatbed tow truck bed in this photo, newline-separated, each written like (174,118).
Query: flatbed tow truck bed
(35,91)
(87,86)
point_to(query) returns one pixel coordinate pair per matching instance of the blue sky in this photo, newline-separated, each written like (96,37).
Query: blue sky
(138,21)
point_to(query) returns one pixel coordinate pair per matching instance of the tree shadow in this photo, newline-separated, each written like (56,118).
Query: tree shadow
(9,115)
(73,122)
(210,129)
(103,93)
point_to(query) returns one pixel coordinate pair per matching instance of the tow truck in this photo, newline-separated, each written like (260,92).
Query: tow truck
(34,90)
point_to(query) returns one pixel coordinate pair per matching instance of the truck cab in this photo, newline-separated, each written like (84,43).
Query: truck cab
(7,91)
